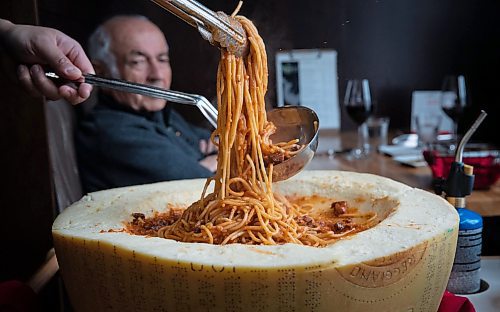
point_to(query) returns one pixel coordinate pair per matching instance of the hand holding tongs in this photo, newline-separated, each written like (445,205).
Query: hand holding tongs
(205,107)
(217,27)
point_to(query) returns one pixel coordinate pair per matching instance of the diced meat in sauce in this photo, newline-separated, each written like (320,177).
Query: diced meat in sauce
(339,208)
(137,216)
(338,227)
(274,158)
(305,220)
(141,225)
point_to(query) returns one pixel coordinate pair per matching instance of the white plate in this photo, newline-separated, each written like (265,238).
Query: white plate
(398,150)
(411,160)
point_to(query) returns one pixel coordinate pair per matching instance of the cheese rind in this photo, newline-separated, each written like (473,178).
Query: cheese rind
(403,263)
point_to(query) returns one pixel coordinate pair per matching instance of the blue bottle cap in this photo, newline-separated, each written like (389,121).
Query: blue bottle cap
(469,220)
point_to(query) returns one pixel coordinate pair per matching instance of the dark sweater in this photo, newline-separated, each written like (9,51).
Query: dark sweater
(117,146)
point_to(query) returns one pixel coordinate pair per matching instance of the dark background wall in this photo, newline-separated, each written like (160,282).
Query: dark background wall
(400,46)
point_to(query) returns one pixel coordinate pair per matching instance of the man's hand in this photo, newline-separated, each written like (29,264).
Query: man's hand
(207,147)
(34,47)
(209,162)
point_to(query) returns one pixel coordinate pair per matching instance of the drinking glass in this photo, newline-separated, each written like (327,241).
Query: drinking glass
(378,128)
(427,129)
(454,99)
(358,104)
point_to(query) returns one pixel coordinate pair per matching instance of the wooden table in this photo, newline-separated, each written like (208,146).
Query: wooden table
(484,202)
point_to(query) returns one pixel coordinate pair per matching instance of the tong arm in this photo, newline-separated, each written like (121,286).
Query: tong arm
(205,107)
(194,13)
(132,87)
(180,13)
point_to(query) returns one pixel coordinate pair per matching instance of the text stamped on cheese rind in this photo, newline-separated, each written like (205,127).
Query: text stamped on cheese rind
(384,271)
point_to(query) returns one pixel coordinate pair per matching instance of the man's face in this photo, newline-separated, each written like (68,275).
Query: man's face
(141,53)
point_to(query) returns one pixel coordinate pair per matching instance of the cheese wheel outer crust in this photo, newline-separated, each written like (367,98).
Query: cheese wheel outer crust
(401,264)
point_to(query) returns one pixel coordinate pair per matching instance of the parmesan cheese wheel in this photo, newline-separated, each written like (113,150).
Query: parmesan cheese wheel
(401,264)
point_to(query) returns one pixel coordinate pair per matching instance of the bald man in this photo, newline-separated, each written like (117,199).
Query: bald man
(131,139)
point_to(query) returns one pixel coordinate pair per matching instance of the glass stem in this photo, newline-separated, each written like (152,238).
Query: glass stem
(363,144)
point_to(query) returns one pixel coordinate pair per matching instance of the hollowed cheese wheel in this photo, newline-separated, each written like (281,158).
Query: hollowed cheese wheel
(401,264)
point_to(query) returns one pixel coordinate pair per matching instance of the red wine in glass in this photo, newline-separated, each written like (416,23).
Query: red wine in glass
(358,105)
(359,114)
(455,113)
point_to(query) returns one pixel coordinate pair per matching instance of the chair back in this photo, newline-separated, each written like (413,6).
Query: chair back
(61,121)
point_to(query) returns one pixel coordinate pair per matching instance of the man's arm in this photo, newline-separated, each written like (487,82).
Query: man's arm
(134,156)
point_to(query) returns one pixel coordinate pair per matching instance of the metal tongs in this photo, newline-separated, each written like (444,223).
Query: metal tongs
(292,121)
(217,27)
(205,107)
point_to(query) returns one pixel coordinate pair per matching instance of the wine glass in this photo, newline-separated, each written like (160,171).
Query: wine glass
(454,99)
(358,104)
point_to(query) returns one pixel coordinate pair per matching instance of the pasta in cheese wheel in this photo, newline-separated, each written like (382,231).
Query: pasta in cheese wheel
(400,264)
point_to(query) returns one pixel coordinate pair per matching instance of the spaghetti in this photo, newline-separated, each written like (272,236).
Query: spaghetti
(242,207)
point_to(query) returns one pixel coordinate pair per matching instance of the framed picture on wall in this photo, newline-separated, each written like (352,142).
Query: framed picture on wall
(309,78)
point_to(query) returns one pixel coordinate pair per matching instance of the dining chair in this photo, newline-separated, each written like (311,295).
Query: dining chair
(61,120)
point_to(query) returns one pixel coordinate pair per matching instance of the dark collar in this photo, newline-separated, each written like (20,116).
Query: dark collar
(107,101)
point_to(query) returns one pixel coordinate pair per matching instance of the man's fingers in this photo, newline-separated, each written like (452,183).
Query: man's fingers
(61,64)
(80,59)
(70,95)
(74,96)
(66,69)
(84,90)
(203,146)
(209,162)
(24,76)
(211,148)
(43,84)
(76,56)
